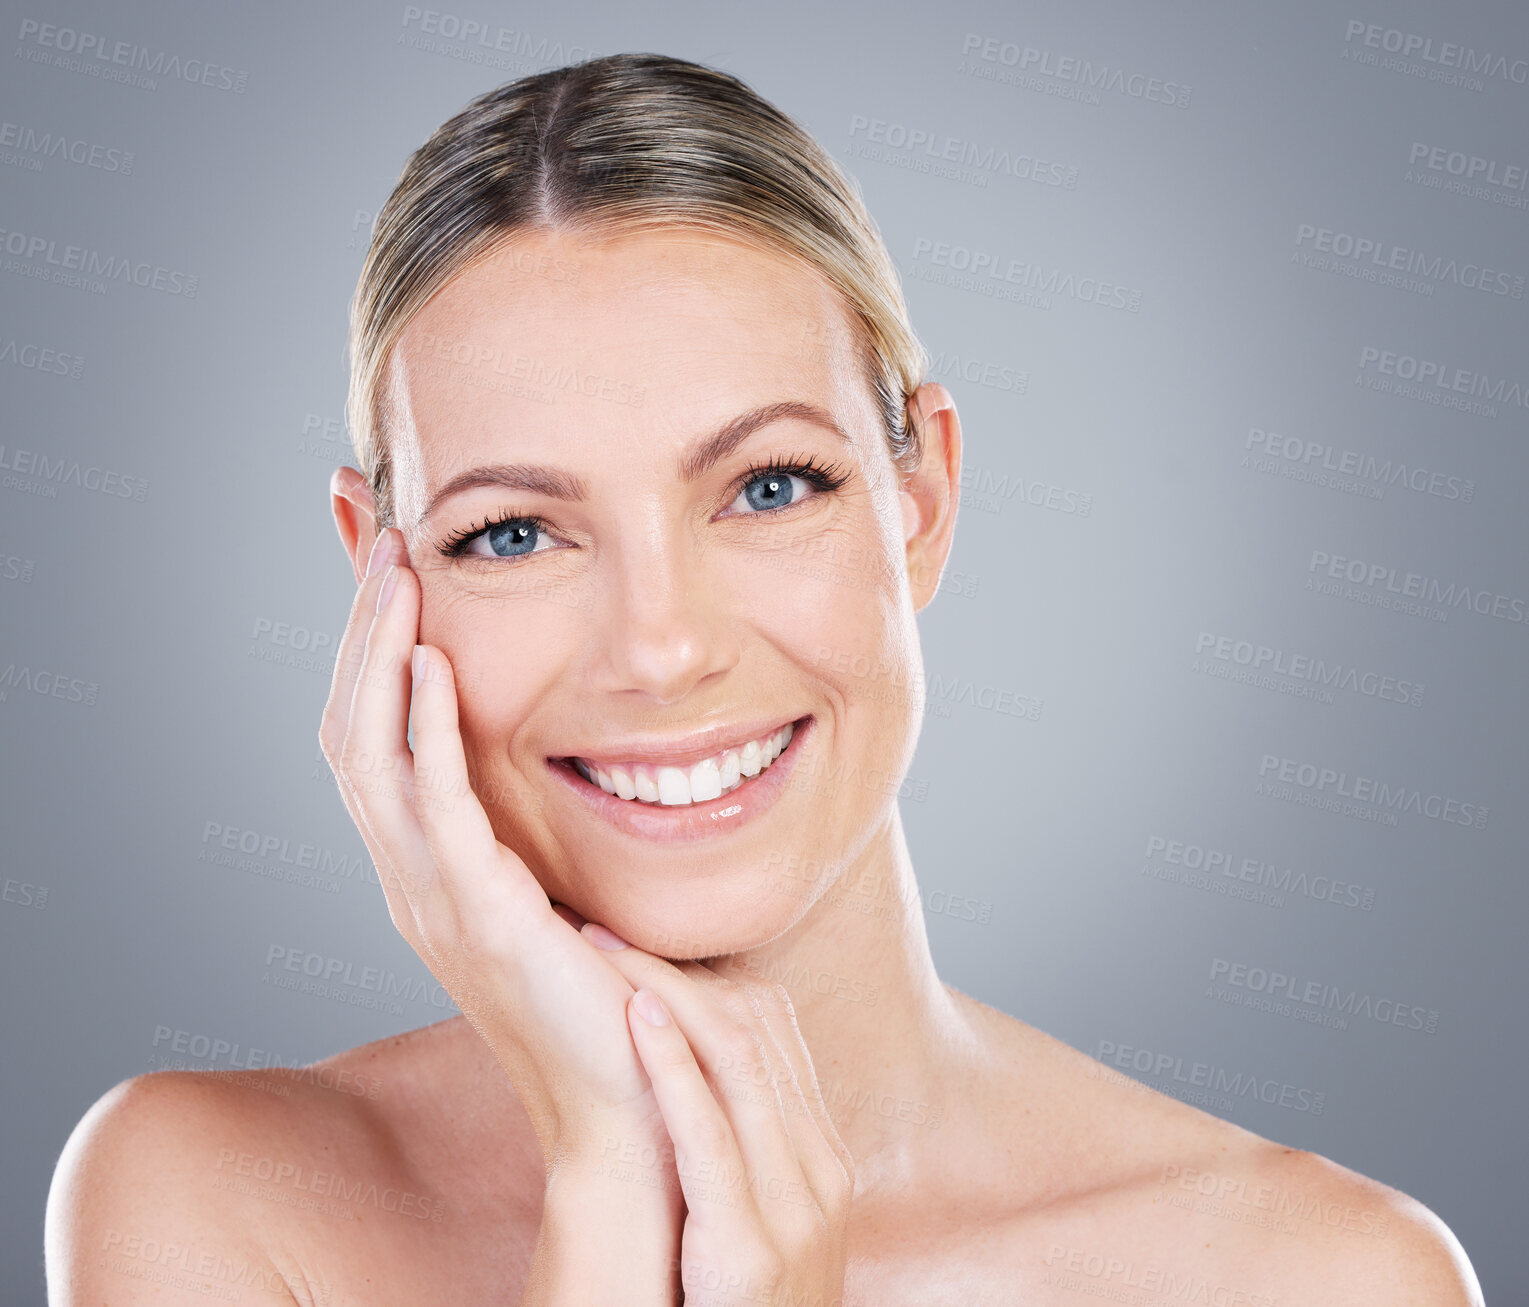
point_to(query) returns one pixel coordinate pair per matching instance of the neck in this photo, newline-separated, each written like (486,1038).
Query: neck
(888,1041)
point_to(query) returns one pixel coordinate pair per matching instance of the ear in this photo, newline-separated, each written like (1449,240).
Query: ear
(931,494)
(355,516)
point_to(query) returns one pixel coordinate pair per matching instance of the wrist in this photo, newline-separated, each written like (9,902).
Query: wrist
(610,1233)
(634,1175)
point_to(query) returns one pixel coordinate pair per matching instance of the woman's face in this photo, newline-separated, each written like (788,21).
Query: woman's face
(666,604)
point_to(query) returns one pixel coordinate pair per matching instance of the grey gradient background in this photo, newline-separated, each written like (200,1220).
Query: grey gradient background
(164,658)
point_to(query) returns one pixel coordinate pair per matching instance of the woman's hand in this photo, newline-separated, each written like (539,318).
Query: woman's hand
(548,1006)
(766,1178)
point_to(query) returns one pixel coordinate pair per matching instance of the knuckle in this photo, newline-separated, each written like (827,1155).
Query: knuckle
(711,1137)
(740,1004)
(760,1263)
(740,1044)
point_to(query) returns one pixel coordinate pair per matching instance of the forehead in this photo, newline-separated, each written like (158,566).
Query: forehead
(556,343)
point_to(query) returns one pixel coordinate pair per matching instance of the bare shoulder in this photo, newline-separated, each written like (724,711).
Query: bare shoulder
(135,1211)
(1144,1192)
(291,1185)
(1361,1241)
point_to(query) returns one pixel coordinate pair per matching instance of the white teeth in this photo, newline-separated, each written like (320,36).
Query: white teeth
(673,786)
(678,786)
(705,781)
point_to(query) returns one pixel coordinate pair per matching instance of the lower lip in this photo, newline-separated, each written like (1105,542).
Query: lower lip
(695,821)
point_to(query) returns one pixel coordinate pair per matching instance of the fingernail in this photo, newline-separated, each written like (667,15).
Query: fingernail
(388,582)
(417,663)
(600,937)
(380,548)
(650,1007)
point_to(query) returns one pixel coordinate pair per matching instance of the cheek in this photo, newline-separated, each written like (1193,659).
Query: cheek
(837,603)
(505,649)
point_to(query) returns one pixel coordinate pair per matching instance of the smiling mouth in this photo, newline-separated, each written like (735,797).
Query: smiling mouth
(677,787)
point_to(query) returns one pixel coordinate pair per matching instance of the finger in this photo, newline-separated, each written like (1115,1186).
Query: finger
(725,1030)
(822,1154)
(394,846)
(347,668)
(490,887)
(825,1160)
(711,1169)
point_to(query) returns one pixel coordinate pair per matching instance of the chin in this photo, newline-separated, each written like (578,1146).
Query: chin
(740,910)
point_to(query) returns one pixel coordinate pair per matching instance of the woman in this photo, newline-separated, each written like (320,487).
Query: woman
(652,491)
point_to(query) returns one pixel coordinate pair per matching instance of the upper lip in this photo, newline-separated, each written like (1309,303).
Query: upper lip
(684,750)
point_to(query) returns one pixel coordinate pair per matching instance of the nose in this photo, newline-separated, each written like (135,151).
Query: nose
(668,627)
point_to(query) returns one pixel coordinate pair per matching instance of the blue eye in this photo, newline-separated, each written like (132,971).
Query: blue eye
(764,489)
(506,537)
(770,490)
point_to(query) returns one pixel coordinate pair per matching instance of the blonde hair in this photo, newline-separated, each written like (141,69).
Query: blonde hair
(609,144)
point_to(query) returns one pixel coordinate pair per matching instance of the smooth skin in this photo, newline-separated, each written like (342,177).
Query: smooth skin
(725,1070)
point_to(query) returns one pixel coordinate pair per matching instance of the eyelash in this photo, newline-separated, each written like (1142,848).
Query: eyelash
(823,477)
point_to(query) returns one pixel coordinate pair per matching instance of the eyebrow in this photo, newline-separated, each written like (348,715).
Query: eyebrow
(554,483)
